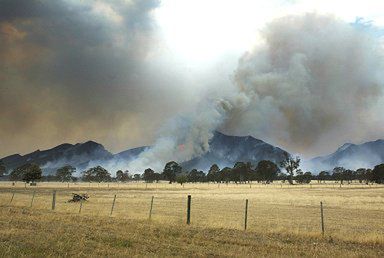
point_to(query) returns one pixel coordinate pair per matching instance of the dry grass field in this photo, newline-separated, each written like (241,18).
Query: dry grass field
(283,220)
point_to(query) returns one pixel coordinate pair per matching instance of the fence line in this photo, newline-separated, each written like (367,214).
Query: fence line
(248,217)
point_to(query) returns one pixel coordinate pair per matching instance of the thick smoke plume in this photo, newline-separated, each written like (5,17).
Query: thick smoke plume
(314,81)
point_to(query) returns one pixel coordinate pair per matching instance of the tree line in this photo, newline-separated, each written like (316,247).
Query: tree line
(264,171)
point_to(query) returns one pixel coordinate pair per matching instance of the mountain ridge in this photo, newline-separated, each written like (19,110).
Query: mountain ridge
(225,150)
(352,156)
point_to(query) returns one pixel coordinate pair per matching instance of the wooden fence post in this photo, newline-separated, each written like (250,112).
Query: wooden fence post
(322,218)
(246,214)
(33,197)
(150,210)
(53,199)
(81,206)
(113,204)
(13,195)
(189,210)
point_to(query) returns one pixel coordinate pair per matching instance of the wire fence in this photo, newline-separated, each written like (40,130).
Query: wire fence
(254,207)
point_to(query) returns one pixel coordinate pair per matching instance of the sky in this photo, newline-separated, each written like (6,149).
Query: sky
(303,75)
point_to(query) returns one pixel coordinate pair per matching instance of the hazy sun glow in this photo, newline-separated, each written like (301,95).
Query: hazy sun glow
(202,31)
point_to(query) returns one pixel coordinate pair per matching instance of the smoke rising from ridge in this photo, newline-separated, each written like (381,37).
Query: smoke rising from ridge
(314,81)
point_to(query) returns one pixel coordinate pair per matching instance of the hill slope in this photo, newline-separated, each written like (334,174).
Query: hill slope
(226,150)
(352,156)
(77,155)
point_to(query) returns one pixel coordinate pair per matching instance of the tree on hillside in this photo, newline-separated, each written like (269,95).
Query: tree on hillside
(213,173)
(266,171)
(290,164)
(64,174)
(97,174)
(378,174)
(28,172)
(171,170)
(2,168)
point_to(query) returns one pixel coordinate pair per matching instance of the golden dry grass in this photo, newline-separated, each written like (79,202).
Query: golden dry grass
(354,217)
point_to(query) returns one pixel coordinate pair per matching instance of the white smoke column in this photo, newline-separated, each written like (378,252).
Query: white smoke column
(311,84)
(184,137)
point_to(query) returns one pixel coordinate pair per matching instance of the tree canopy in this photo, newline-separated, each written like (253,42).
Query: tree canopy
(64,174)
(97,174)
(29,172)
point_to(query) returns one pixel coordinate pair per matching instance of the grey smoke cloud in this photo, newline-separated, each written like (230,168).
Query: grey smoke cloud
(77,70)
(313,84)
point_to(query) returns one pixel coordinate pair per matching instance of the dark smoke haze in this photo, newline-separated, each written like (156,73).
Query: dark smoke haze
(77,70)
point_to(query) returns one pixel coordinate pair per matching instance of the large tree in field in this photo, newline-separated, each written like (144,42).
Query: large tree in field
(171,170)
(338,174)
(149,175)
(214,173)
(225,174)
(29,172)
(64,174)
(97,174)
(196,176)
(303,178)
(290,164)
(266,171)
(241,171)
(122,176)
(361,175)
(323,175)
(378,174)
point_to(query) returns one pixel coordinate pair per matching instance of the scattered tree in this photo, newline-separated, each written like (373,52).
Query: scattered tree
(149,175)
(196,176)
(266,171)
(290,164)
(171,170)
(323,175)
(97,174)
(64,174)
(137,177)
(181,179)
(303,178)
(338,174)
(378,174)
(122,176)
(214,173)
(226,174)
(28,172)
